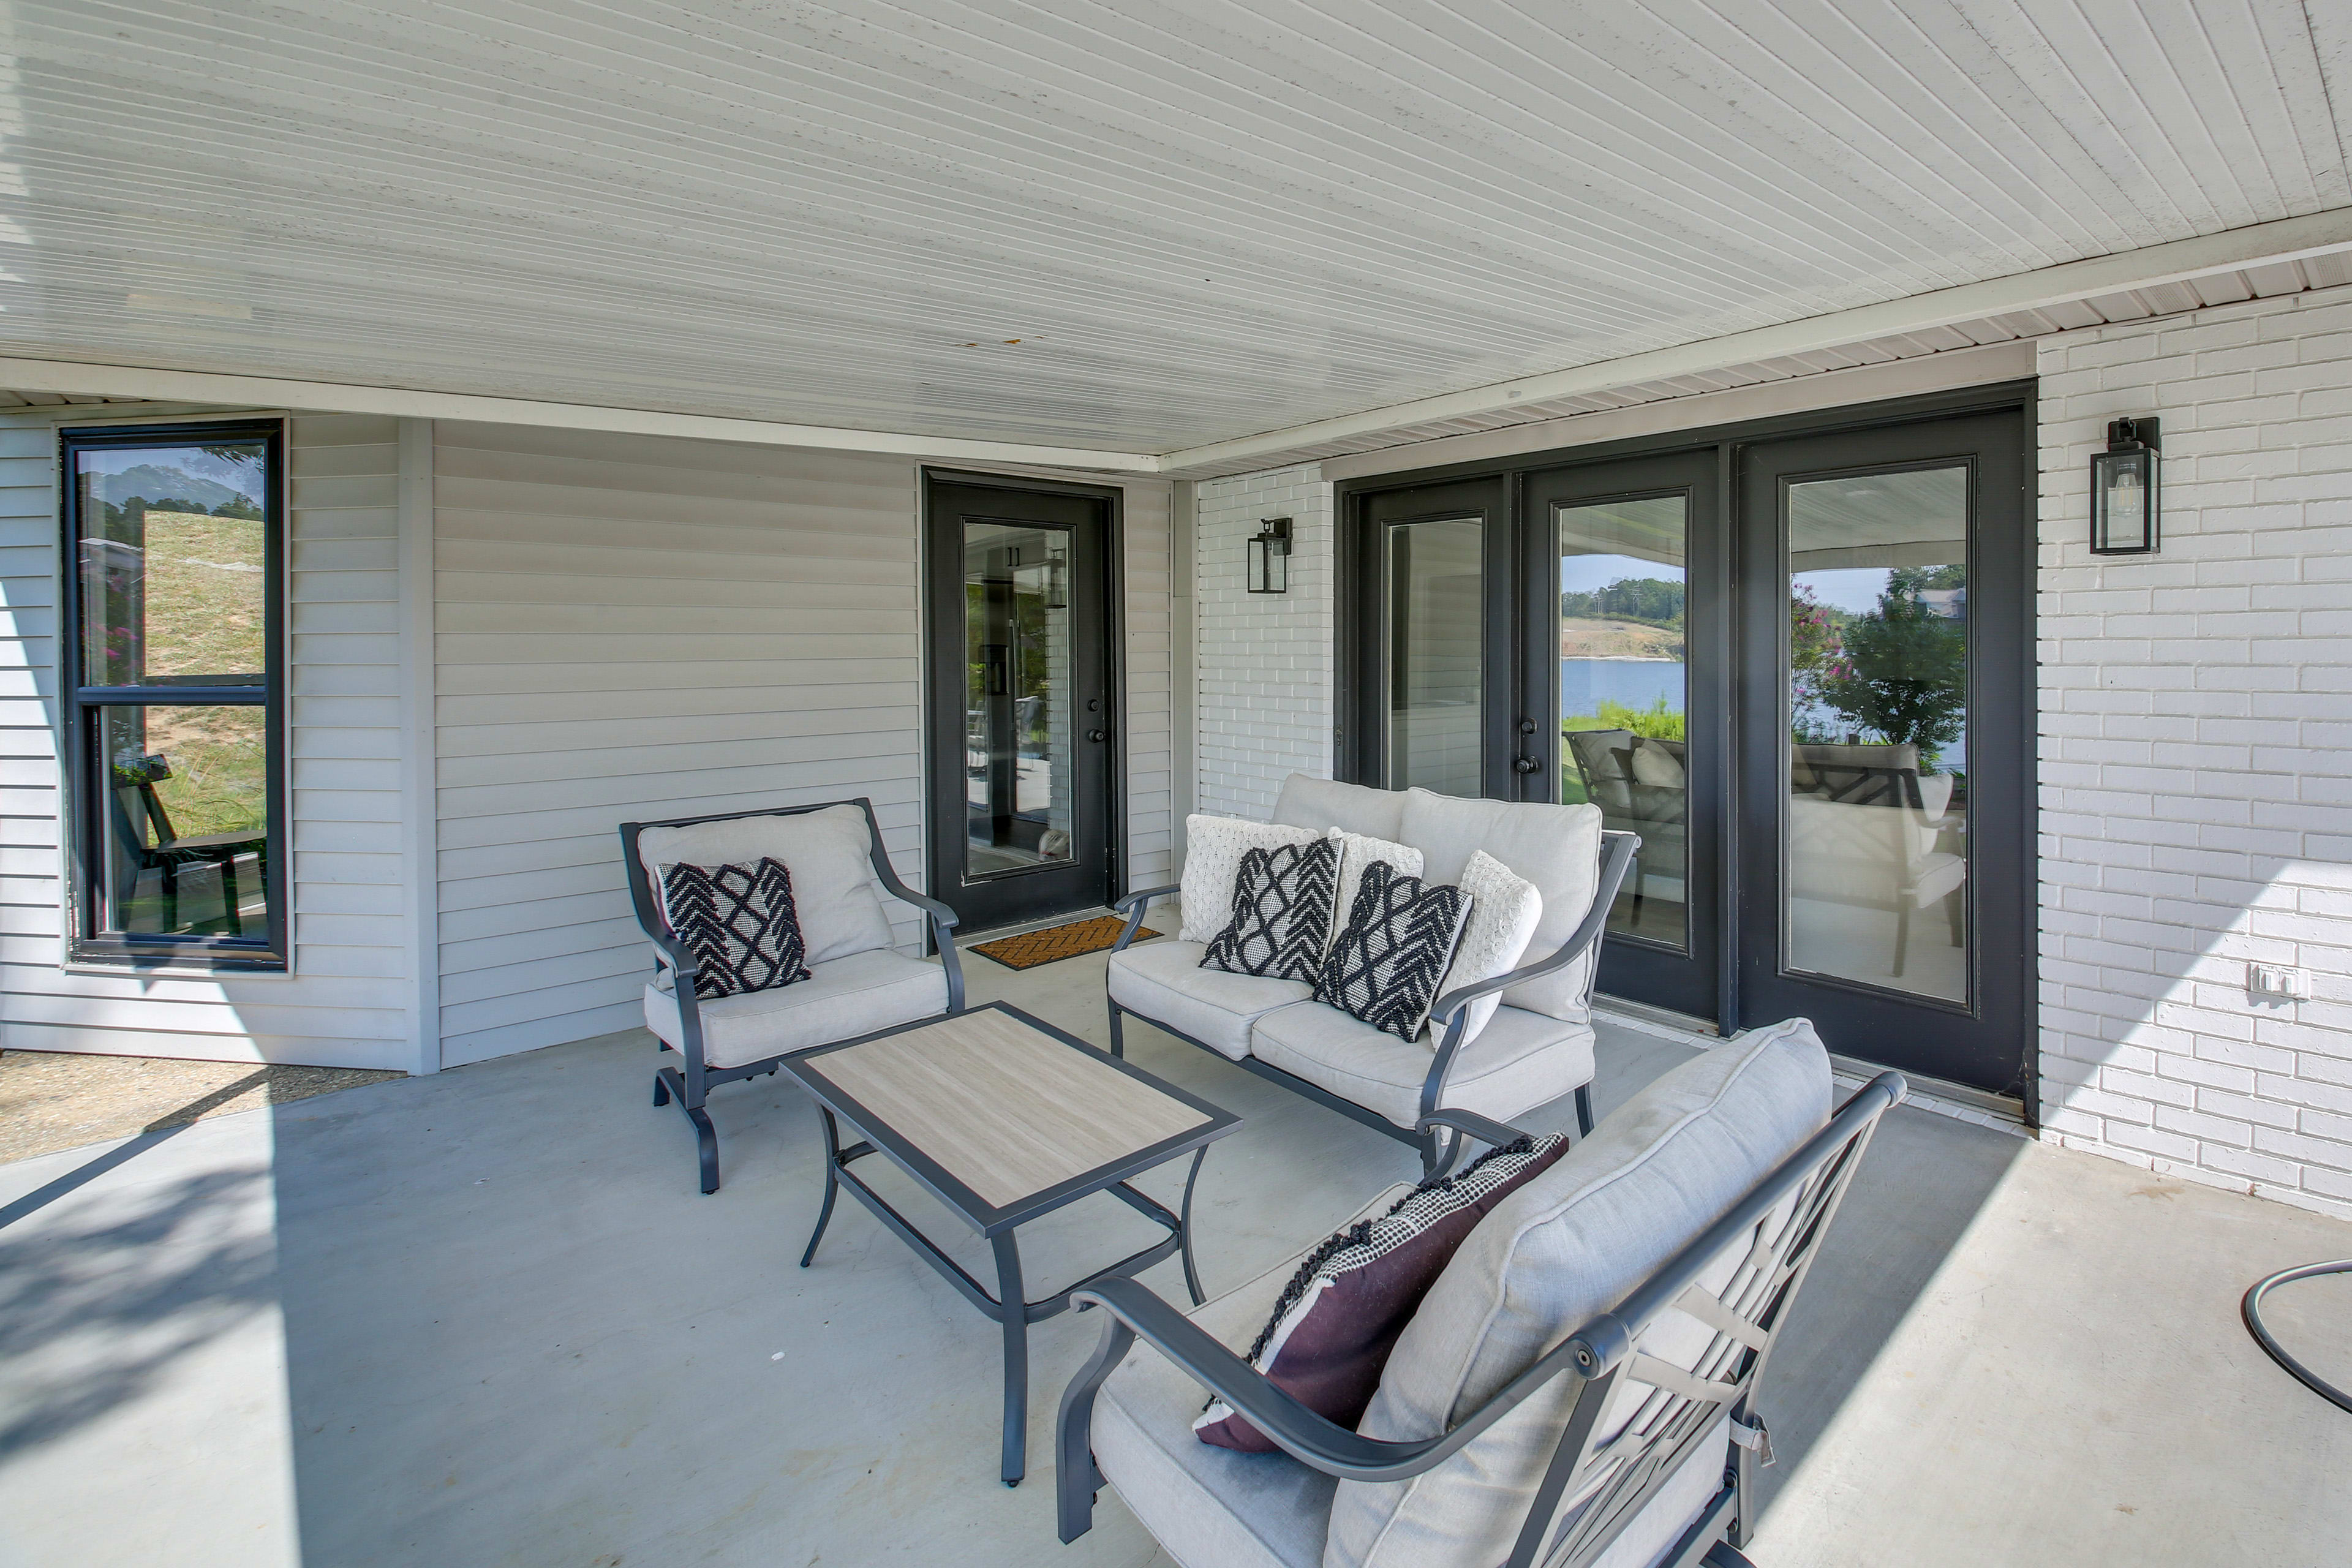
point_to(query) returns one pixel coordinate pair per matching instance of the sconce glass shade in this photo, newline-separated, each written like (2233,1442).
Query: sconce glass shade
(1270,557)
(2124,513)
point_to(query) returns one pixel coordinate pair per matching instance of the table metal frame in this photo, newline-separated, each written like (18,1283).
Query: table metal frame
(1010,1306)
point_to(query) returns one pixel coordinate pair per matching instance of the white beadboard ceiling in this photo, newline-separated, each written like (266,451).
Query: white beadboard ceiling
(1136,226)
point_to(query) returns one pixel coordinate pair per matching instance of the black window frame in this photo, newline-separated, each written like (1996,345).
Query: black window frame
(83,815)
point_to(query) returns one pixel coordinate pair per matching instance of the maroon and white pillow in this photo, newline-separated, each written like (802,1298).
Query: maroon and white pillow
(1341,1314)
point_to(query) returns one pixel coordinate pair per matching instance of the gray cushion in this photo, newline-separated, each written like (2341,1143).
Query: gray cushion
(1569,1244)
(1557,848)
(1327,803)
(835,894)
(1211,1507)
(840,1000)
(1518,1061)
(1164,981)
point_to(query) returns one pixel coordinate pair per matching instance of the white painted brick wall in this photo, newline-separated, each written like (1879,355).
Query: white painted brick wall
(1263,660)
(2196,780)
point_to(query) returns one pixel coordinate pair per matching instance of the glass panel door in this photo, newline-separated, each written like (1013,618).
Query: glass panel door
(1020,709)
(1885,730)
(1628,555)
(1434,690)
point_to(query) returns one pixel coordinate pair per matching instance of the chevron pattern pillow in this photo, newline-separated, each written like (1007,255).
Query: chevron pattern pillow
(740,924)
(1386,966)
(1282,912)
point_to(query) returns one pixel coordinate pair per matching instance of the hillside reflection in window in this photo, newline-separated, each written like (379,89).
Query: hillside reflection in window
(171,706)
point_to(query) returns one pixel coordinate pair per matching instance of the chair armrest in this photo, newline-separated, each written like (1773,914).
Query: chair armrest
(1132,1310)
(1133,906)
(1493,1133)
(943,919)
(1616,857)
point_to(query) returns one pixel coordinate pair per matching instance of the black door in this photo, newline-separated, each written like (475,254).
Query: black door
(1630,559)
(1435,613)
(1020,700)
(1886,734)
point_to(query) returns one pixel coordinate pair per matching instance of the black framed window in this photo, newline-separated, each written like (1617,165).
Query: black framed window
(171,678)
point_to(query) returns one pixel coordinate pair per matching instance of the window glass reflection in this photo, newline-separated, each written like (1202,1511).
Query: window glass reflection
(1623,690)
(1876,871)
(174,575)
(1019,744)
(186,814)
(1437,582)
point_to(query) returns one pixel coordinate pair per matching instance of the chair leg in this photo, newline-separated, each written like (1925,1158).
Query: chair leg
(1118,1036)
(1902,932)
(229,895)
(1584,1111)
(667,1086)
(170,895)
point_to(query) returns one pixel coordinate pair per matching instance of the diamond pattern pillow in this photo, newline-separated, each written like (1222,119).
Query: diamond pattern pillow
(1387,964)
(740,923)
(1282,912)
(1341,1314)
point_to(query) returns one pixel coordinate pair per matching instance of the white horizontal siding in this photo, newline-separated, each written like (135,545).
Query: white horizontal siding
(343,1004)
(639,628)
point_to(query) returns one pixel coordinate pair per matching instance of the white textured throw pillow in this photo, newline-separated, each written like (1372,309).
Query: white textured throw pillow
(1213,848)
(1505,909)
(1357,850)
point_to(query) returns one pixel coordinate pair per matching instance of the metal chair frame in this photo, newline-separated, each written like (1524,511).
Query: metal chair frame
(1619,1475)
(1438,1145)
(692,1086)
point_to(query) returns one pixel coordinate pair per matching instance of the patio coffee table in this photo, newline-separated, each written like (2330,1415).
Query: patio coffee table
(1003,1118)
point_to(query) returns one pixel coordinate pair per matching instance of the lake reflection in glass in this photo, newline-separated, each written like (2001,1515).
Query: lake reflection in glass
(1623,691)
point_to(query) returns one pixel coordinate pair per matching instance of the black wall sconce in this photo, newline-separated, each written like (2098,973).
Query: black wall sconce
(2124,512)
(1269,556)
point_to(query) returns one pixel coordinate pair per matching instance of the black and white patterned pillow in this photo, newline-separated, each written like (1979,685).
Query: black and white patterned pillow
(740,923)
(1387,965)
(1282,912)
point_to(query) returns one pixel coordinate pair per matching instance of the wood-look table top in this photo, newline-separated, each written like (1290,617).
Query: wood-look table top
(1004,1105)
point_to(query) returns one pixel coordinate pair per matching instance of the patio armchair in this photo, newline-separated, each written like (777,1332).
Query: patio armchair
(859,982)
(1537,1046)
(1641,784)
(1866,829)
(1672,1246)
(139,811)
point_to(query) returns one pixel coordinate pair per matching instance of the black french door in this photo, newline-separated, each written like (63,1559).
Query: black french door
(1793,658)
(1021,705)
(1885,736)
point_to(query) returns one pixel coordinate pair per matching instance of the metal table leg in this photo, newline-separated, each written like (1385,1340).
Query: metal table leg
(832,1183)
(1012,1313)
(1184,1227)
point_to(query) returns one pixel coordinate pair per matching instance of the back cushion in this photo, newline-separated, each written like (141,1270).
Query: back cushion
(835,890)
(1557,848)
(1567,1245)
(1319,804)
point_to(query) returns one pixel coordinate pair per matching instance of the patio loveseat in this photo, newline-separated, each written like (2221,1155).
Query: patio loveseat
(1535,1044)
(1577,1387)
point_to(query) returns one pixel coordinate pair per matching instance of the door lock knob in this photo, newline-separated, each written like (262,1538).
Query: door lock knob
(1097,735)
(1528,764)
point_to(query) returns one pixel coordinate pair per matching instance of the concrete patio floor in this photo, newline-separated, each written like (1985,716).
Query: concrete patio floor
(484,1318)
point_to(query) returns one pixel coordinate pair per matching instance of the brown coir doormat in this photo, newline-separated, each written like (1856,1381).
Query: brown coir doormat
(1055,943)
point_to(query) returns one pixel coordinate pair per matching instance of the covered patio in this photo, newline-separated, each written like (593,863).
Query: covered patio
(481,1317)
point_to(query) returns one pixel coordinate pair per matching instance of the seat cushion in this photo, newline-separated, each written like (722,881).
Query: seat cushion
(1557,848)
(836,896)
(1520,1060)
(1163,981)
(840,1000)
(1213,848)
(1211,1507)
(1320,803)
(1568,1244)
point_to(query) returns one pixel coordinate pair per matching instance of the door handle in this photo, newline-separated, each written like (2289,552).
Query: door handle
(1098,736)
(1528,764)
